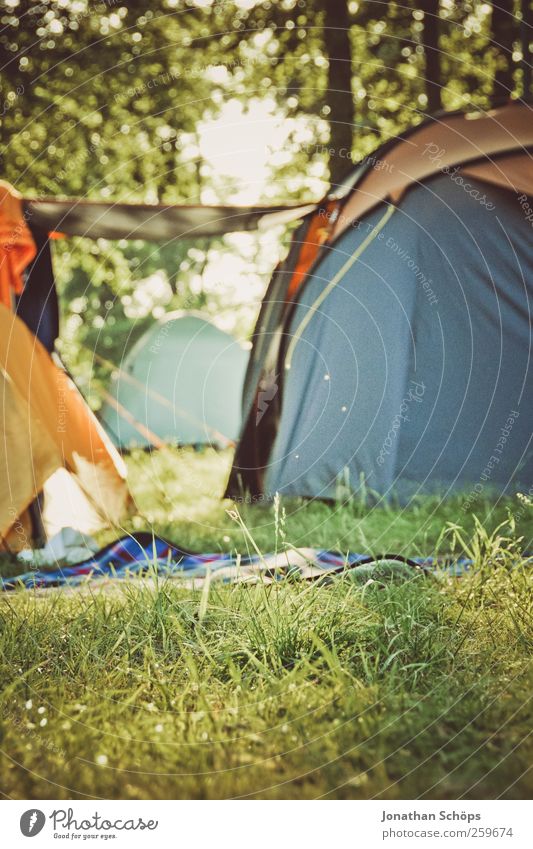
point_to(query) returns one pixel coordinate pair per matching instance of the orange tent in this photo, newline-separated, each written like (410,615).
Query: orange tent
(47,425)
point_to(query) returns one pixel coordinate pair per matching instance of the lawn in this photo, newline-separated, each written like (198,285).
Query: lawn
(418,688)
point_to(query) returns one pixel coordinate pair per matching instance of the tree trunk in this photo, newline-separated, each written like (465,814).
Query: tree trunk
(502,35)
(526,37)
(430,43)
(339,96)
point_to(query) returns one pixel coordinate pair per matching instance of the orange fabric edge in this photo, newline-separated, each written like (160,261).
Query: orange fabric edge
(318,233)
(17,247)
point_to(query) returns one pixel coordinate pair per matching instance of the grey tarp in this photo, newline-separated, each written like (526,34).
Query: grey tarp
(414,374)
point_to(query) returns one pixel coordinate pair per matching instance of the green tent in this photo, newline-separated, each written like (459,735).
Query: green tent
(182,383)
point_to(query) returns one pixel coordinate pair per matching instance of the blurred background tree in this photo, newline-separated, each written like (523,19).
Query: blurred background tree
(214,101)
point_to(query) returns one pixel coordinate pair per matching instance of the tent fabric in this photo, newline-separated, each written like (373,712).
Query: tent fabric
(47,426)
(420,359)
(439,145)
(182,382)
(513,125)
(404,368)
(319,232)
(17,248)
(38,305)
(514,172)
(262,374)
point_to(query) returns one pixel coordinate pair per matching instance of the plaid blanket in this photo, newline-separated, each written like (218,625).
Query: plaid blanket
(144,554)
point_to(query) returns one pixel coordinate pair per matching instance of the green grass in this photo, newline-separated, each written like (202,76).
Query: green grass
(413,689)
(180,493)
